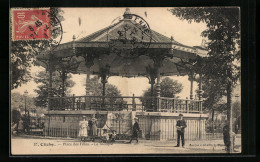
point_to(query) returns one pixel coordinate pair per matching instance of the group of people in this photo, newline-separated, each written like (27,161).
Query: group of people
(87,128)
(181,125)
(22,125)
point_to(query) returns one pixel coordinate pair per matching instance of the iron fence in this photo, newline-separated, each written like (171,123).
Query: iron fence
(151,128)
(129,103)
(213,136)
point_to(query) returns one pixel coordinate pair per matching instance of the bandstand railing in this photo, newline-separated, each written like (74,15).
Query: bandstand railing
(128,103)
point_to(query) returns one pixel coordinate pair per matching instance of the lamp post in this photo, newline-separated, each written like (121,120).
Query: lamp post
(25,106)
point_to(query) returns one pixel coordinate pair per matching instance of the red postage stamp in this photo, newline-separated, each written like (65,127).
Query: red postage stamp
(31,24)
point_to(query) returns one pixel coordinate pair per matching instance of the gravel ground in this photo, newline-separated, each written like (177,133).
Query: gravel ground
(33,145)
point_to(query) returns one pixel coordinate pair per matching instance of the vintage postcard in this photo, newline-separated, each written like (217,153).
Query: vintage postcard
(138,80)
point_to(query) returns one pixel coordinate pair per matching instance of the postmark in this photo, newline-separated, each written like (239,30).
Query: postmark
(37,24)
(132,38)
(31,24)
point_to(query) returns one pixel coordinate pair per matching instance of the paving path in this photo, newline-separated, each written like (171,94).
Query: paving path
(39,145)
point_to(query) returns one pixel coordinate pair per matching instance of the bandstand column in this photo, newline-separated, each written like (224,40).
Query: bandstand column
(158,84)
(87,82)
(63,77)
(152,82)
(158,90)
(151,76)
(200,92)
(104,81)
(103,73)
(200,87)
(157,64)
(191,78)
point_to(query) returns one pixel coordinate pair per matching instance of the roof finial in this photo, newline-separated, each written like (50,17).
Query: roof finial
(172,38)
(127,14)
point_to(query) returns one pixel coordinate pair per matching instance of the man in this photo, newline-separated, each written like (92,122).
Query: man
(16,116)
(26,123)
(181,125)
(226,137)
(136,130)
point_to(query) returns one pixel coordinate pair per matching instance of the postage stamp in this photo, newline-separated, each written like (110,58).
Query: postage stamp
(31,24)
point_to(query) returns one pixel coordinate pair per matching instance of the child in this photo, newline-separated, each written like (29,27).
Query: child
(105,135)
(113,136)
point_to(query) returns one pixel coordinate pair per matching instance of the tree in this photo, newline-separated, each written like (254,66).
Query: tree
(95,87)
(23,53)
(16,116)
(169,88)
(18,102)
(223,33)
(213,92)
(42,79)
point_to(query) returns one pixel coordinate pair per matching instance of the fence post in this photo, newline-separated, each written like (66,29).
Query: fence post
(159,104)
(67,132)
(171,108)
(166,105)
(73,101)
(85,103)
(133,103)
(173,105)
(187,105)
(79,104)
(200,106)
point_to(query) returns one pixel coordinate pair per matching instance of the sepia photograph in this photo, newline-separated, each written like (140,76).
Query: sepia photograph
(125,80)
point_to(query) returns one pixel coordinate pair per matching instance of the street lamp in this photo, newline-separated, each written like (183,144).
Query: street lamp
(25,95)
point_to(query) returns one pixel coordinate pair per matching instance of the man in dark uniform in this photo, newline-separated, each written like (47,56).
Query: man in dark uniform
(226,137)
(181,125)
(136,130)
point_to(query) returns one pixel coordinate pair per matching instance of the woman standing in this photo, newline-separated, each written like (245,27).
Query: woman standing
(94,127)
(20,127)
(83,133)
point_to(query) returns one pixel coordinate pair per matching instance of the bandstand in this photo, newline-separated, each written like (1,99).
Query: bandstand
(109,53)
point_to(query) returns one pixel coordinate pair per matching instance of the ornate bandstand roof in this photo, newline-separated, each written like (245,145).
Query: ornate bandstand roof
(128,48)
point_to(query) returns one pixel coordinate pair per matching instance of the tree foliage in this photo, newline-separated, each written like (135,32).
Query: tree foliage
(16,116)
(18,101)
(221,69)
(169,88)
(42,78)
(23,53)
(95,87)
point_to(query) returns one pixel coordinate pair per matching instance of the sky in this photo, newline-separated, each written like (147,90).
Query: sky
(94,19)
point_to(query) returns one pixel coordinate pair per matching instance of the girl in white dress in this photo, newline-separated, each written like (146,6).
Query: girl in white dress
(83,133)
